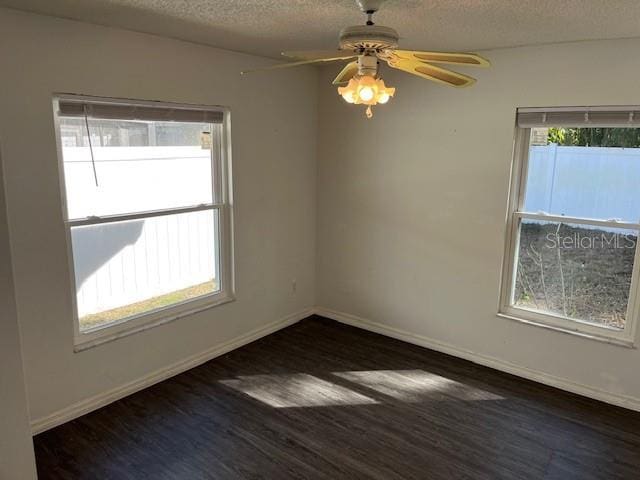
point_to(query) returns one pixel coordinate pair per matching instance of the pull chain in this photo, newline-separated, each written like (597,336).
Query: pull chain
(93,160)
(369,112)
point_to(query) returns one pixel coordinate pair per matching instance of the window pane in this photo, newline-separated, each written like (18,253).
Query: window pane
(584,172)
(133,267)
(576,271)
(139,166)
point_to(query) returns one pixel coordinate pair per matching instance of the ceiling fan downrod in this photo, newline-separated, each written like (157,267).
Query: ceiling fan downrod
(370,6)
(370,17)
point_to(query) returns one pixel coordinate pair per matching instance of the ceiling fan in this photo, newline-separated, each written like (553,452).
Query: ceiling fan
(360,81)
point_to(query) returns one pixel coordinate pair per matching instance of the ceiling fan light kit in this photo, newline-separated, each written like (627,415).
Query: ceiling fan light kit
(359,82)
(366,90)
(366,87)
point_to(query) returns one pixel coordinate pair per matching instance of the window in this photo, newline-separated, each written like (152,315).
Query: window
(147,211)
(574,216)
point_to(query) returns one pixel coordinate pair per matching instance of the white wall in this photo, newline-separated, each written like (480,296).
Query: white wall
(16,449)
(274,167)
(412,209)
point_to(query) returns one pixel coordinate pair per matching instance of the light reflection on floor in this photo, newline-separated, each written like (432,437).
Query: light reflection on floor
(296,390)
(415,385)
(305,390)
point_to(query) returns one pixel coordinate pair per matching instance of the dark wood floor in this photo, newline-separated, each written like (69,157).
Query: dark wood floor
(320,400)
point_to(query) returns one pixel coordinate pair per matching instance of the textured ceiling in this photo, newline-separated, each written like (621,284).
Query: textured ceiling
(266,27)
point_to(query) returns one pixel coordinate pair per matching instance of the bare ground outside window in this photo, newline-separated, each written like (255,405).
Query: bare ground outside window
(576,271)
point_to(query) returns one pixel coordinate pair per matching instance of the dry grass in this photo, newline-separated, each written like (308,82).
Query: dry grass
(108,316)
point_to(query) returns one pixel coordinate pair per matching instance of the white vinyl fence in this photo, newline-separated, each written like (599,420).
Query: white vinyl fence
(121,263)
(588,182)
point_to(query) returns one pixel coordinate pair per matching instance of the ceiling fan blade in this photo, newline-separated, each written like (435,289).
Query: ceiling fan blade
(349,70)
(293,64)
(319,54)
(468,59)
(431,72)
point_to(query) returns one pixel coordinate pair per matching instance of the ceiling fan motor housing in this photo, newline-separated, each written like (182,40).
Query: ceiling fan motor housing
(364,38)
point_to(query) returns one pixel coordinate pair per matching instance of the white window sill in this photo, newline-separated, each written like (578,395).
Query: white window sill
(604,338)
(114,331)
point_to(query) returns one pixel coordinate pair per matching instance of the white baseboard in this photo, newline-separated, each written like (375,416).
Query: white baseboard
(631,403)
(93,403)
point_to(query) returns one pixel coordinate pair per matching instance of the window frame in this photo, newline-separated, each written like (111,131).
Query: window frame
(515,213)
(222,204)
